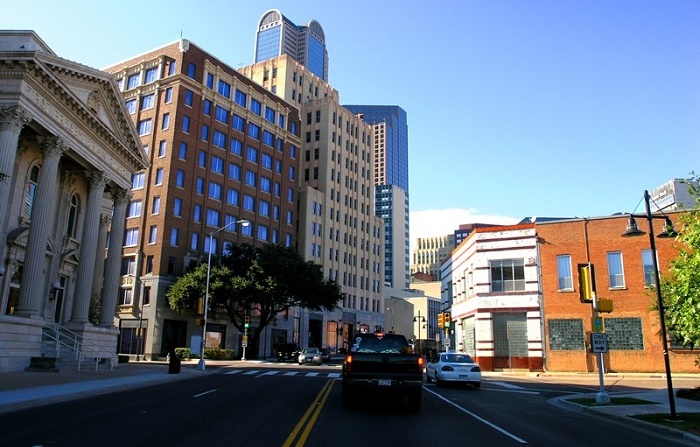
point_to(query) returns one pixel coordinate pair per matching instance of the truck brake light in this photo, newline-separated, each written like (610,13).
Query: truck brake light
(421,361)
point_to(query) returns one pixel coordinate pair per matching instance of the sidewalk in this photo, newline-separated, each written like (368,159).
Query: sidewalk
(26,389)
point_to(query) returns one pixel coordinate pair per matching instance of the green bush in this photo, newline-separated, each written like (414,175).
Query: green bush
(183,353)
(218,354)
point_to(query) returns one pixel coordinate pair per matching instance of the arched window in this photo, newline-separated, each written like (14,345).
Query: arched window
(30,191)
(73,210)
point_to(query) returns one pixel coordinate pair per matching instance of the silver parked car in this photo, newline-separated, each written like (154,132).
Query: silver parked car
(310,355)
(453,367)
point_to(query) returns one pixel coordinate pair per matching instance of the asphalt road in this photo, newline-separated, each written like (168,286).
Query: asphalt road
(301,406)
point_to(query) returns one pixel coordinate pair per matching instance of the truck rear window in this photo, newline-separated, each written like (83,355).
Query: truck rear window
(387,344)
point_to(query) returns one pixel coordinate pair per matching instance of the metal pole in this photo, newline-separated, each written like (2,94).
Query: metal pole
(662,317)
(245,337)
(201,365)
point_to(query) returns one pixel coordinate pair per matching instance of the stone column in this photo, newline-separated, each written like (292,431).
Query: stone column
(114,256)
(34,271)
(99,270)
(88,248)
(12,120)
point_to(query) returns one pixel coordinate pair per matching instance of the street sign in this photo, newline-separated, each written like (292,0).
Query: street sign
(446,342)
(599,342)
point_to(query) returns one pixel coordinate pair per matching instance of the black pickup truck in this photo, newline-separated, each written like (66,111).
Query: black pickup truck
(383,363)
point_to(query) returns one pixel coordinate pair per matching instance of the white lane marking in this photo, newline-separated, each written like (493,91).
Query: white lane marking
(512,391)
(205,393)
(506,385)
(478,418)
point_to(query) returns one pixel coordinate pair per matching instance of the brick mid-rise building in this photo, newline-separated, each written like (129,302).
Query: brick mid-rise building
(222,149)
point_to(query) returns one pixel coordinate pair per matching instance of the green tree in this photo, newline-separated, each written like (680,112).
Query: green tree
(262,281)
(680,286)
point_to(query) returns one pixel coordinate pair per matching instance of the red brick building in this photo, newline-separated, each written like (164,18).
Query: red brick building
(624,273)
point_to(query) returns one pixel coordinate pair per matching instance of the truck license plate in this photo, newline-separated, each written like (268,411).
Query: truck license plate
(384,382)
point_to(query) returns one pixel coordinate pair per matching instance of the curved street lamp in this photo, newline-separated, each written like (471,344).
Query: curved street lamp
(201,366)
(668,232)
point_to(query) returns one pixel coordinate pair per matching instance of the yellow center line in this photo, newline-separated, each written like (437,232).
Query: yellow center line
(309,418)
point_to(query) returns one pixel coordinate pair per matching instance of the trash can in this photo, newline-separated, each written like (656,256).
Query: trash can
(173,363)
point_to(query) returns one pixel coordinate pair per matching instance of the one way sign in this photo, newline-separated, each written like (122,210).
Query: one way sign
(599,342)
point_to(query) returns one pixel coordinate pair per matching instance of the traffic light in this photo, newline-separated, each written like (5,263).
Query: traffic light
(441,320)
(447,318)
(200,305)
(586,282)
(246,322)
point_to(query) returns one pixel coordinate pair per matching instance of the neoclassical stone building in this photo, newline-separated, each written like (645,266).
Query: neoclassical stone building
(67,153)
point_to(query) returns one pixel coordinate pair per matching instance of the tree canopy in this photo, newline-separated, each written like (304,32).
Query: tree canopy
(680,286)
(262,281)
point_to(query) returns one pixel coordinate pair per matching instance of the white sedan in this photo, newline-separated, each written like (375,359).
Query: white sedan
(453,367)
(310,355)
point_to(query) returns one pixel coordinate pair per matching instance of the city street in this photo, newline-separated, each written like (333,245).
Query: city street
(285,404)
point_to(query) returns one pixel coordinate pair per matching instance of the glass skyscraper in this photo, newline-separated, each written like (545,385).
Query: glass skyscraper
(277,35)
(391,173)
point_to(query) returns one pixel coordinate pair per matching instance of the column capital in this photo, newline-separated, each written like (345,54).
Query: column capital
(53,146)
(97,179)
(14,118)
(120,196)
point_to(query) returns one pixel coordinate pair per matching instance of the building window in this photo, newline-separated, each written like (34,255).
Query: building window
(137,180)
(174,237)
(224,89)
(144,127)
(131,237)
(125,297)
(232,197)
(134,209)
(255,106)
(177,207)
(270,115)
(254,131)
(566,335)
(131,106)
(189,97)
(236,147)
(241,98)
(238,123)
(168,95)
(72,225)
(205,132)
(162,148)
(147,101)
(200,186)
(186,124)
(210,81)
(624,334)
(194,245)
(616,276)
(507,275)
(221,115)
(155,208)
(215,191)
(251,154)
(564,272)
(250,178)
(166,121)
(133,81)
(212,217)
(191,70)
(234,172)
(266,161)
(202,159)
(180,179)
(217,165)
(153,234)
(197,213)
(159,176)
(248,203)
(648,268)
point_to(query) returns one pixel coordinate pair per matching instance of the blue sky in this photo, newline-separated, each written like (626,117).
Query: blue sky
(515,108)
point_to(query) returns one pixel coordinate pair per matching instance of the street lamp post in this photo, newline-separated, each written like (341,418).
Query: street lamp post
(201,366)
(419,319)
(669,232)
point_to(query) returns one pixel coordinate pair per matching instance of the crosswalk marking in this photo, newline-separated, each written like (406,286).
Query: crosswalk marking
(506,385)
(235,371)
(251,372)
(334,375)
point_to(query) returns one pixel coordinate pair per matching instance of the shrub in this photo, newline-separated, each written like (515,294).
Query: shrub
(183,353)
(218,354)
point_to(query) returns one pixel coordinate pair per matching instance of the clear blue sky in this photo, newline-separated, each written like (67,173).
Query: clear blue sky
(515,108)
